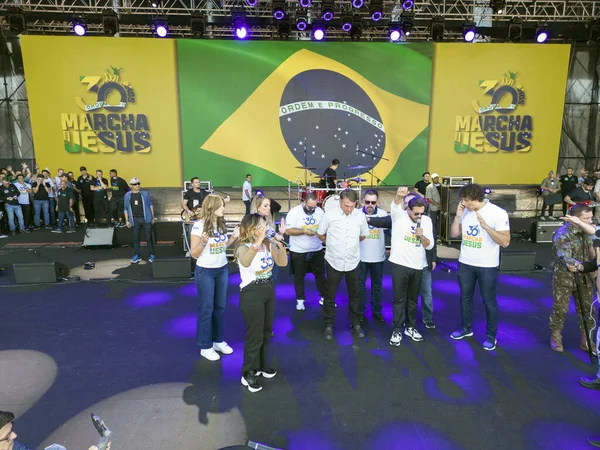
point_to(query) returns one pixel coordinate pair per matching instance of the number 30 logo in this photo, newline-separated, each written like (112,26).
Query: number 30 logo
(266,262)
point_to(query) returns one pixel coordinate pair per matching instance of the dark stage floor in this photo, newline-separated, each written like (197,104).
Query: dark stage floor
(126,351)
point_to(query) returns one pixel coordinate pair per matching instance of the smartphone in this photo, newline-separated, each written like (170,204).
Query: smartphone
(100,426)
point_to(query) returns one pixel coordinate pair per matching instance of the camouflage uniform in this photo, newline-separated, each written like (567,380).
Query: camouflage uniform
(570,243)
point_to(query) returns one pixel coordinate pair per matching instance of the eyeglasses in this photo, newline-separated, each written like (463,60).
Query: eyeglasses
(135,184)
(368,202)
(418,214)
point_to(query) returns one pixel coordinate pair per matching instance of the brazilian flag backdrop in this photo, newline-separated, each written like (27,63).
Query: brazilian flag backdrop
(267,107)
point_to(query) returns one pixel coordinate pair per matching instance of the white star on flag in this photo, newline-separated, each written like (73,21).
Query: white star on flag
(317,127)
(314,146)
(343,145)
(300,143)
(313,153)
(322,156)
(289,119)
(346,132)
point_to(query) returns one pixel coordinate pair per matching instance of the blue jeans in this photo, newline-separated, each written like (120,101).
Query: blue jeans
(38,206)
(212,298)
(52,206)
(11,210)
(487,277)
(376,270)
(426,296)
(61,218)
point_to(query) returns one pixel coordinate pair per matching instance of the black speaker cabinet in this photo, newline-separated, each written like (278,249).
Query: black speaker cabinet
(449,198)
(99,237)
(39,272)
(544,231)
(517,261)
(180,267)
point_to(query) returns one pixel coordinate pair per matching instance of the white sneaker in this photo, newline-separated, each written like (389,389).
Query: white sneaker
(413,334)
(300,305)
(322,300)
(396,339)
(210,354)
(222,347)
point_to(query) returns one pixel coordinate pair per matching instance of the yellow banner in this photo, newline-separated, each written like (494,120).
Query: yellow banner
(497,111)
(105,103)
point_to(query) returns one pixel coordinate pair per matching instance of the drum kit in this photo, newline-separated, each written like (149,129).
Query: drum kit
(327,194)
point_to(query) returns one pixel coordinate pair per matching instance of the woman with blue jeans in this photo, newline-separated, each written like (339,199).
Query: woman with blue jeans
(208,243)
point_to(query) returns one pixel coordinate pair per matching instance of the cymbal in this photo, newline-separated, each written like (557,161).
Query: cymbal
(358,167)
(357,180)
(305,168)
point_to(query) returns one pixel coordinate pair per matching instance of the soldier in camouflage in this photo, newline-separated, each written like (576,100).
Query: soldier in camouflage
(571,245)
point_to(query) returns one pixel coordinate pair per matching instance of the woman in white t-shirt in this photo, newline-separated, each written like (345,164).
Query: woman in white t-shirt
(256,256)
(209,244)
(261,205)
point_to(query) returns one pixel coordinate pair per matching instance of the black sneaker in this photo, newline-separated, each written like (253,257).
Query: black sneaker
(249,380)
(378,317)
(328,333)
(430,325)
(267,373)
(357,331)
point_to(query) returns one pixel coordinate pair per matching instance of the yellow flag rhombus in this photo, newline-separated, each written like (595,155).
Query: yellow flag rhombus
(252,134)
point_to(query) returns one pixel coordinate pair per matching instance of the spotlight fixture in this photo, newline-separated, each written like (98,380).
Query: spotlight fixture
(327,8)
(251,2)
(16,21)
(498,6)
(356,30)
(154,3)
(301,22)
(197,25)
(487,191)
(284,28)
(541,34)
(110,22)
(394,31)
(406,23)
(346,22)
(161,27)
(515,30)
(305,3)
(79,26)
(437,29)
(239,26)
(278,9)
(376,10)
(358,3)
(408,4)
(318,31)
(469,32)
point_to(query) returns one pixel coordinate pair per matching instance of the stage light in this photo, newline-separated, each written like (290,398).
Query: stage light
(394,31)
(161,27)
(284,29)
(305,3)
(16,21)
(437,29)
(110,22)
(240,27)
(406,23)
(541,34)
(197,25)
(376,10)
(318,31)
(498,6)
(327,8)
(251,2)
(259,192)
(278,9)
(79,26)
(356,31)
(469,33)
(346,22)
(301,22)
(515,30)
(154,3)
(358,3)
(408,4)
(487,191)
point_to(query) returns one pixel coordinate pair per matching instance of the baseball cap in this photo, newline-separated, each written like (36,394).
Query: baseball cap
(434,175)
(6,418)
(82,168)
(134,180)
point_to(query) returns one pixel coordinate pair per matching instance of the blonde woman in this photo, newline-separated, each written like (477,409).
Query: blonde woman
(256,256)
(209,244)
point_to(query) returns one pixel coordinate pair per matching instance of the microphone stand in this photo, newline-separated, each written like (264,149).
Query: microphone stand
(371,171)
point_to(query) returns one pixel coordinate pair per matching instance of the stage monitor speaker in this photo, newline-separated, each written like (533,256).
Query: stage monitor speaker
(544,231)
(39,272)
(99,237)
(517,261)
(180,267)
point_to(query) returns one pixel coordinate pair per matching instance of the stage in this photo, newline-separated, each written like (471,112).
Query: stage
(123,346)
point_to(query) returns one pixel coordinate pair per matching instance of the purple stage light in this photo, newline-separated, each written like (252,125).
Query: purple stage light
(241,32)
(376,16)
(183,327)
(279,14)
(150,299)
(346,26)
(408,4)
(408,434)
(469,36)
(79,29)
(358,3)
(252,2)
(327,15)
(319,34)
(541,37)
(305,3)
(474,387)
(395,35)
(301,25)
(161,31)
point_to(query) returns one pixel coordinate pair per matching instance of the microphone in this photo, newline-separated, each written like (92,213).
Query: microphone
(418,223)
(270,235)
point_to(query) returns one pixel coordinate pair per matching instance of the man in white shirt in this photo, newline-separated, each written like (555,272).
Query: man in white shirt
(372,257)
(342,230)
(51,195)
(306,249)
(484,228)
(247,193)
(433,197)
(412,235)
(24,200)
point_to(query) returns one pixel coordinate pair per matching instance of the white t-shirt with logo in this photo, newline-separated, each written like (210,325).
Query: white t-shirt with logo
(407,249)
(372,249)
(214,254)
(478,248)
(23,194)
(246,187)
(261,267)
(297,218)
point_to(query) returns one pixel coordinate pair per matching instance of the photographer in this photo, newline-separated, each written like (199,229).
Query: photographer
(41,202)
